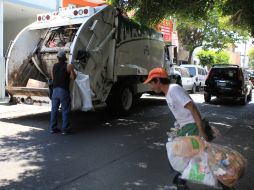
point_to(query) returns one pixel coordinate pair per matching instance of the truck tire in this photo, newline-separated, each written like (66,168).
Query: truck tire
(207,97)
(120,100)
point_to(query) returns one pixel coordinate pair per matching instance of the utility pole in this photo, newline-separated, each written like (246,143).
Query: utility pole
(2,60)
(244,55)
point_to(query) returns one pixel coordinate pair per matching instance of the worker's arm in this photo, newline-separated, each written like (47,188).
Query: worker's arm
(70,70)
(197,117)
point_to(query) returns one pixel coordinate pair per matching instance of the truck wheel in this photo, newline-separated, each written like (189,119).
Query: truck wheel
(207,97)
(120,100)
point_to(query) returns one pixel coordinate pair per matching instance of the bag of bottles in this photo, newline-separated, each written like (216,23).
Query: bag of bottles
(226,164)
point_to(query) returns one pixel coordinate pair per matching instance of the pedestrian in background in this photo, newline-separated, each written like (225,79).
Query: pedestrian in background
(61,74)
(183,108)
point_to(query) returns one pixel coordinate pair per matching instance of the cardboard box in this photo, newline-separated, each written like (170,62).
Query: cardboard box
(36,84)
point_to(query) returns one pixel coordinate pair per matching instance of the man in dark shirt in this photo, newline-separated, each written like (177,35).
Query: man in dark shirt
(61,74)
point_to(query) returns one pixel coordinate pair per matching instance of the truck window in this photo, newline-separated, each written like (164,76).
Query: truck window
(199,71)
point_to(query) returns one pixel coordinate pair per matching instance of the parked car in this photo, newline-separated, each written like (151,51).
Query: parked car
(228,81)
(251,75)
(198,74)
(186,79)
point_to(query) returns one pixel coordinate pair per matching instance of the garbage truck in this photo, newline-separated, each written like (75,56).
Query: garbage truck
(115,52)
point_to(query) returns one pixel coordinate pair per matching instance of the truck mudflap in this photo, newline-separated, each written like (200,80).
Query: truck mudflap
(27,91)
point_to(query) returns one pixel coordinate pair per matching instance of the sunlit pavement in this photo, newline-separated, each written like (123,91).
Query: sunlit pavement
(106,152)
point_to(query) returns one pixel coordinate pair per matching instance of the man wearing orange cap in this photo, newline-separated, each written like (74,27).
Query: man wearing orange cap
(180,103)
(183,108)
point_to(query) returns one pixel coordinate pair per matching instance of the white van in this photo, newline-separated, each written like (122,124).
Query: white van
(198,74)
(186,79)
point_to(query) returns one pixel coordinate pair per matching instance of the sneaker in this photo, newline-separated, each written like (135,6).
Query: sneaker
(180,183)
(66,132)
(56,130)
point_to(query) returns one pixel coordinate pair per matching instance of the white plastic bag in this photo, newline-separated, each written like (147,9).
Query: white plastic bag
(81,93)
(76,103)
(188,146)
(198,171)
(177,162)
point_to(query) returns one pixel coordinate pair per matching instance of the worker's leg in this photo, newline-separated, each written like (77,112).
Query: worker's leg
(66,107)
(54,110)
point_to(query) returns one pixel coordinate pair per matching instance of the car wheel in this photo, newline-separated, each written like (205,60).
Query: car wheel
(243,100)
(194,88)
(207,97)
(250,96)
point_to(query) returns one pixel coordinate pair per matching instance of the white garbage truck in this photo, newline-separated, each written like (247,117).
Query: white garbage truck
(100,42)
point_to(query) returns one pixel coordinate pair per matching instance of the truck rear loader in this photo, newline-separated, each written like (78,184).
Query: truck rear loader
(100,42)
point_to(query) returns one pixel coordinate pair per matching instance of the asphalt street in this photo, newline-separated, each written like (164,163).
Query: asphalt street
(106,152)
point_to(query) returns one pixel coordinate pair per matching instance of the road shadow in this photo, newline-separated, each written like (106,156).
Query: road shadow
(40,160)
(105,151)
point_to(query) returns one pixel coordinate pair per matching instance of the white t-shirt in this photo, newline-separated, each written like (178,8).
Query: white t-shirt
(177,98)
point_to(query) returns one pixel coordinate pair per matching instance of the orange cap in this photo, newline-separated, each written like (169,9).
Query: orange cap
(156,73)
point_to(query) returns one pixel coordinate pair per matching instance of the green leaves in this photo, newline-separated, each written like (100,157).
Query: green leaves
(150,12)
(211,57)
(240,12)
(206,23)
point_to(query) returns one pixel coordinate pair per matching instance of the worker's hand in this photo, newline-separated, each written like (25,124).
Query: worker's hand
(202,134)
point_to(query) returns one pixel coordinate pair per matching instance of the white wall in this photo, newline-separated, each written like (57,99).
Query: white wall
(12,28)
(43,4)
(2,64)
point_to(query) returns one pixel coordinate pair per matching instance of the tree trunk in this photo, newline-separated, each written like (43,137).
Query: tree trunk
(190,55)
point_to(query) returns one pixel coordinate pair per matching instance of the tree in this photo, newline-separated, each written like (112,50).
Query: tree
(196,26)
(213,32)
(206,58)
(240,12)
(222,57)
(150,12)
(251,57)
(211,57)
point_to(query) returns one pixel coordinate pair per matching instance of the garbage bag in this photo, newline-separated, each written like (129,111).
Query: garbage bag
(76,102)
(226,164)
(81,93)
(188,146)
(178,163)
(198,171)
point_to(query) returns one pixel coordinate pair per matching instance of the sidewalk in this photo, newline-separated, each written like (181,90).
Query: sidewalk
(11,111)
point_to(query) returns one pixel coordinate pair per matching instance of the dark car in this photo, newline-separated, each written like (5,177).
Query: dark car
(230,81)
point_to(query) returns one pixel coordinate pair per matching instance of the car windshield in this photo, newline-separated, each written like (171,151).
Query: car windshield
(224,73)
(250,73)
(184,72)
(192,70)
